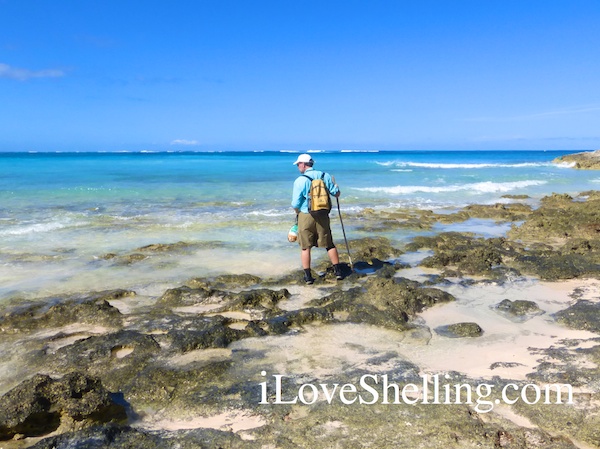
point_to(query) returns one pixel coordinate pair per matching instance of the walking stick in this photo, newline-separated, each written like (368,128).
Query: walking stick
(344,232)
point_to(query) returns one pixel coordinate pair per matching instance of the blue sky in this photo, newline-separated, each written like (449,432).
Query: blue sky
(82,75)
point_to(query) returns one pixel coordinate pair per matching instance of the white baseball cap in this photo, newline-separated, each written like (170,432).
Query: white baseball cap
(303,158)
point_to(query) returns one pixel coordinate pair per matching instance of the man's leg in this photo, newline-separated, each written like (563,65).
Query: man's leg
(333,255)
(335,260)
(305,257)
(326,240)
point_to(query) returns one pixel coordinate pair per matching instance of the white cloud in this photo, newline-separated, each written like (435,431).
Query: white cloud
(6,71)
(184,142)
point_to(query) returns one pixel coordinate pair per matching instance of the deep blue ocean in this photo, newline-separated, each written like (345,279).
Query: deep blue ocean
(61,213)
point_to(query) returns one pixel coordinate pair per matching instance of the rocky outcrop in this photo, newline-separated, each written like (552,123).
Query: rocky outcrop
(559,240)
(226,281)
(148,251)
(562,217)
(583,315)
(109,436)
(589,160)
(462,254)
(460,330)
(498,212)
(41,405)
(518,310)
(93,308)
(383,301)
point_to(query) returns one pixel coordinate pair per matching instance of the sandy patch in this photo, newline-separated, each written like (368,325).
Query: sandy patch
(54,345)
(508,413)
(67,335)
(198,308)
(235,315)
(132,304)
(507,348)
(199,356)
(324,350)
(300,297)
(238,326)
(503,340)
(120,352)
(75,328)
(233,421)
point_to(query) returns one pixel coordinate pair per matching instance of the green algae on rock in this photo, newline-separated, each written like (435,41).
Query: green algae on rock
(41,405)
(382,301)
(461,251)
(498,212)
(226,281)
(91,308)
(460,330)
(575,367)
(519,310)
(567,231)
(157,249)
(559,240)
(371,220)
(584,315)
(373,247)
(560,217)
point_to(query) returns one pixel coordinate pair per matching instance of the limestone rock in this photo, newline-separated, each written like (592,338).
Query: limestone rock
(460,330)
(41,405)
(588,160)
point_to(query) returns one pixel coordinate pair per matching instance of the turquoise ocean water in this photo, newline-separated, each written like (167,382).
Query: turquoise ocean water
(62,213)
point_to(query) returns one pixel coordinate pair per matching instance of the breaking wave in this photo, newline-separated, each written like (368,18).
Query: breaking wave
(457,166)
(478,187)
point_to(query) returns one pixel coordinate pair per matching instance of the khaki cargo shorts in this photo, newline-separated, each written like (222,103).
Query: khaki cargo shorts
(314,231)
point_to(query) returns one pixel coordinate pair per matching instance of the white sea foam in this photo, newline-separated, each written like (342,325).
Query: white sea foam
(456,166)
(32,228)
(479,187)
(565,164)
(269,213)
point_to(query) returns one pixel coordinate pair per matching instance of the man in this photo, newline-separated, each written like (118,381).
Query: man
(313,230)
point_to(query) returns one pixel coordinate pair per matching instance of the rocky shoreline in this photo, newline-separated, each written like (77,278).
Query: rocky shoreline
(589,160)
(194,367)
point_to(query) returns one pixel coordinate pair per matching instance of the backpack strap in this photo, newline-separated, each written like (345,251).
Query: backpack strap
(312,179)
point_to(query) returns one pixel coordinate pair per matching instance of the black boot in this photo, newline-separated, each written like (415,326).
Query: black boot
(308,277)
(337,269)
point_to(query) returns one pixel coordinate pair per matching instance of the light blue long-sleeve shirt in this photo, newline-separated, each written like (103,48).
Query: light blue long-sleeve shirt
(302,188)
